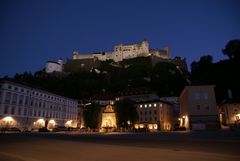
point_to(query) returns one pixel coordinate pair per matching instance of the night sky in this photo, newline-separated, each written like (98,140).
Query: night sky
(35,31)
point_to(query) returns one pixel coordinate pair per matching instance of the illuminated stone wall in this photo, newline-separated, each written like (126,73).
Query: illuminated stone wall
(109,118)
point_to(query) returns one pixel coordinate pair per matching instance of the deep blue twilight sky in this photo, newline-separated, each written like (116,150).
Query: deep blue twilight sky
(35,31)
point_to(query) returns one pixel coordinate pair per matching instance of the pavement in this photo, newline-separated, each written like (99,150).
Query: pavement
(170,146)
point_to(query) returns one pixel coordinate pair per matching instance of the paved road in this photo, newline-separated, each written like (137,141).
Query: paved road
(210,145)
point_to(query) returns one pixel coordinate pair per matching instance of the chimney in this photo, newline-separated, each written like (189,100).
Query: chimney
(229,93)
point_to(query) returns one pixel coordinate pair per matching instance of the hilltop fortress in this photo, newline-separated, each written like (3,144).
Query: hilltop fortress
(125,51)
(120,52)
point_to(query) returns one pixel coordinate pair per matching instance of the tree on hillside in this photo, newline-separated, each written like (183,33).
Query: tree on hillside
(200,71)
(167,79)
(232,49)
(91,116)
(126,114)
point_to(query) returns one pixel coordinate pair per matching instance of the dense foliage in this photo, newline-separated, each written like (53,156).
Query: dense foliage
(126,114)
(91,115)
(163,78)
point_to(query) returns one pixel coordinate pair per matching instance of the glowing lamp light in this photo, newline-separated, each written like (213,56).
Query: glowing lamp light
(68,123)
(8,119)
(136,126)
(52,122)
(150,127)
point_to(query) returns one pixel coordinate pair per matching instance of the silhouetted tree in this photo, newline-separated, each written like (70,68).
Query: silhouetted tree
(91,116)
(126,113)
(232,49)
(200,71)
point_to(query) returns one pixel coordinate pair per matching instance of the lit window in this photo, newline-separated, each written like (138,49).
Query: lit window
(145,106)
(140,106)
(150,105)
(155,105)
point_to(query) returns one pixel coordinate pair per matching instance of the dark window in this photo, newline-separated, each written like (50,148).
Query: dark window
(20,102)
(19,111)
(13,110)
(9,87)
(198,107)
(14,99)
(26,101)
(6,110)
(25,112)
(8,97)
(207,107)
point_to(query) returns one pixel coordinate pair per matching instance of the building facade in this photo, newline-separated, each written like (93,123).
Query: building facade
(53,66)
(108,118)
(29,108)
(230,112)
(137,94)
(198,109)
(155,115)
(125,51)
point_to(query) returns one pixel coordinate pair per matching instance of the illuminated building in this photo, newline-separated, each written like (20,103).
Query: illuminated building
(125,51)
(198,109)
(109,118)
(25,107)
(53,66)
(155,115)
(230,112)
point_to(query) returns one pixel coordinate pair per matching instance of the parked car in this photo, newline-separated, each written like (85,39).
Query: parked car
(43,129)
(141,130)
(11,129)
(59,129)
(182,128)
